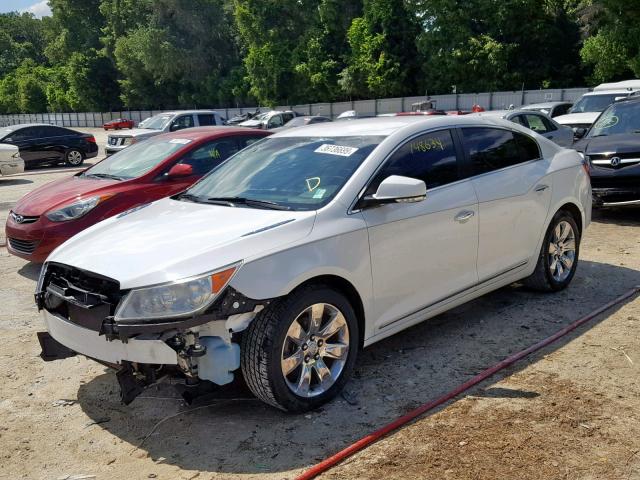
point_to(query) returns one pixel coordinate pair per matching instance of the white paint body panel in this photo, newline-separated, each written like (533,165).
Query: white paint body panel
(406,261)
(10,164)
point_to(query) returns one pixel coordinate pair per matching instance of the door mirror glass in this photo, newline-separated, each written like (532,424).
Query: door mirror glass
(398,189)
(579,132)
(180,171)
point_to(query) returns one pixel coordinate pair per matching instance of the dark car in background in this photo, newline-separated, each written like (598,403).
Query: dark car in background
(145,172)
(42,144)
(301,121)
(612,148)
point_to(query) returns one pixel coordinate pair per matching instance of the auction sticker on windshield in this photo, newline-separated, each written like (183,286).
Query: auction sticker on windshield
(336,150)
(181,141)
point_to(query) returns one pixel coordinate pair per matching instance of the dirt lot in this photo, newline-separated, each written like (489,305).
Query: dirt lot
(570,412)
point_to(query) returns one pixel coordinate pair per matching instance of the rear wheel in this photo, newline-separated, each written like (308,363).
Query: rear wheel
(558,258)
(74,158)
(299,352)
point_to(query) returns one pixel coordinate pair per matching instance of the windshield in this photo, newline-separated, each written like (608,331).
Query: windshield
(299,173)
(619,118)
(262,116)
(157,122)
(594,103)
(137,159)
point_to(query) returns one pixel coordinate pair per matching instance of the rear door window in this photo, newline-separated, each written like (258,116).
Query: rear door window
(206,119)
(430,157)
(491,149)
(537,123)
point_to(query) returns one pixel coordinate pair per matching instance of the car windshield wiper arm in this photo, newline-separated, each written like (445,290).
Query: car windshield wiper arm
(251,202)
(190,197)
(104,175)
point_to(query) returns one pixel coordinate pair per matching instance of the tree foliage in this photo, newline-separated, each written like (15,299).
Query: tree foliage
(110,54)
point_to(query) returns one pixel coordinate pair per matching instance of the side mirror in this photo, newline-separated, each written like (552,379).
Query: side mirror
(579,132)
(174,127)
(180,170)
(397,189)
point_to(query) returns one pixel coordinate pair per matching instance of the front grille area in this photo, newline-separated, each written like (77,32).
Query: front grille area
(82,297)
(621,160)
(116,141)
(23,219)
(26,247)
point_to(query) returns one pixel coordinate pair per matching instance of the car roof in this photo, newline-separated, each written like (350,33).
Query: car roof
(198,133)
(544,105)
(625,85)
(175,112)
(607,92)
(504,113)
(23,125)
(384,126)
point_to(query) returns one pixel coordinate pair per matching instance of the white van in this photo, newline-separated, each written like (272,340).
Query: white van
(585,111)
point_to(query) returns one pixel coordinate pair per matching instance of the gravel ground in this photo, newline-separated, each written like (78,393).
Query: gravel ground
(570,411)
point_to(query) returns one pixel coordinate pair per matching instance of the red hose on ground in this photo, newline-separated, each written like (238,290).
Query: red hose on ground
(378,434)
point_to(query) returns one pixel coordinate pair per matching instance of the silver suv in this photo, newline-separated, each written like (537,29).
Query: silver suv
(162,123)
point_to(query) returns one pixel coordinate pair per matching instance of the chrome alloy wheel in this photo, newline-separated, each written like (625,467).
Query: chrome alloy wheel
(74,157)
(562,251)
(315,350)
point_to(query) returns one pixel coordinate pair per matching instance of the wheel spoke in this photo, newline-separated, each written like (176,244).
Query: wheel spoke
(292,362)
(304,382)
(317,311)
(552,247)
(337,351)
(336,322)
(557,233)
(559,269)
(323,372)
(552,267)
(566,261)
(296,333)
(566,230)
(570,244)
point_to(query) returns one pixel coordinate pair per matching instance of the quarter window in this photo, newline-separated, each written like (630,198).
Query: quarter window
(491,149)
(528,147)
(430,157)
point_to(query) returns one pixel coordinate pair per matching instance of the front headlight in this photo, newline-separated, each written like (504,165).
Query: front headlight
(76,209)
(175,299)
(128,140)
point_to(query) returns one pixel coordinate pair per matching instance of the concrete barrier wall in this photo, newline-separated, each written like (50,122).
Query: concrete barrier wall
(462,101)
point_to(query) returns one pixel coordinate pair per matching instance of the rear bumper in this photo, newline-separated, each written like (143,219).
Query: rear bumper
(12,167)
(91,344)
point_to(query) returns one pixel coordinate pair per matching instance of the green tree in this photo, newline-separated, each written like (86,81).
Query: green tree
(384,59)
(21,37)
(613,49)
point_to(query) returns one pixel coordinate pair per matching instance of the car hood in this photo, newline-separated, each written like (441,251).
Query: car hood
(169,239)
(610,144)
(60,192)
(251,123)
(137,132)
(586,118)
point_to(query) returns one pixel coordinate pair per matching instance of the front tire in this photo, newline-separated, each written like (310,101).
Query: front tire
(299,351)
(558,258)
(74,158)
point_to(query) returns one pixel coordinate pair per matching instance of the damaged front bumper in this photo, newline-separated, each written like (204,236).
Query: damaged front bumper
(77,310)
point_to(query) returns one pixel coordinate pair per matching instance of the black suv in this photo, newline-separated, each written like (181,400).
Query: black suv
(612,147)
(47,144)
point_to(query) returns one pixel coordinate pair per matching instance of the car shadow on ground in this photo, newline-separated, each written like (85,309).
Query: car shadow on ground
(7,182)
(391,377)
(627,216)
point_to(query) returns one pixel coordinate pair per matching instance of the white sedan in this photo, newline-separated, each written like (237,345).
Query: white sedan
(295,253)
(10,161)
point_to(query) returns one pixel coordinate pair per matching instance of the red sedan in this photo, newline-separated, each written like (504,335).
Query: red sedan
(118,123)
(144,172)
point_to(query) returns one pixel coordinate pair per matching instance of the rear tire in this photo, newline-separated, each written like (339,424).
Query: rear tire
(294,363)
(558,257)
(74,158)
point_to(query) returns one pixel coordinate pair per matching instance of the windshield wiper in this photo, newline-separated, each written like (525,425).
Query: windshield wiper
(190,197)
(250,202)
(104,175)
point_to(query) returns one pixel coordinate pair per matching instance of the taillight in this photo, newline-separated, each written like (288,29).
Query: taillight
(91,139)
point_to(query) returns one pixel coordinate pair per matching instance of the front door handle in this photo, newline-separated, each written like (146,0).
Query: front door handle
(541,188)
(464,216)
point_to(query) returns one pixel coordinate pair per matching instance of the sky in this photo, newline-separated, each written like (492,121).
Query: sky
(38,7)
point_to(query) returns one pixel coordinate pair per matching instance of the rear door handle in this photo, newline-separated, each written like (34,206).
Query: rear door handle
(541,188)
(464,216)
